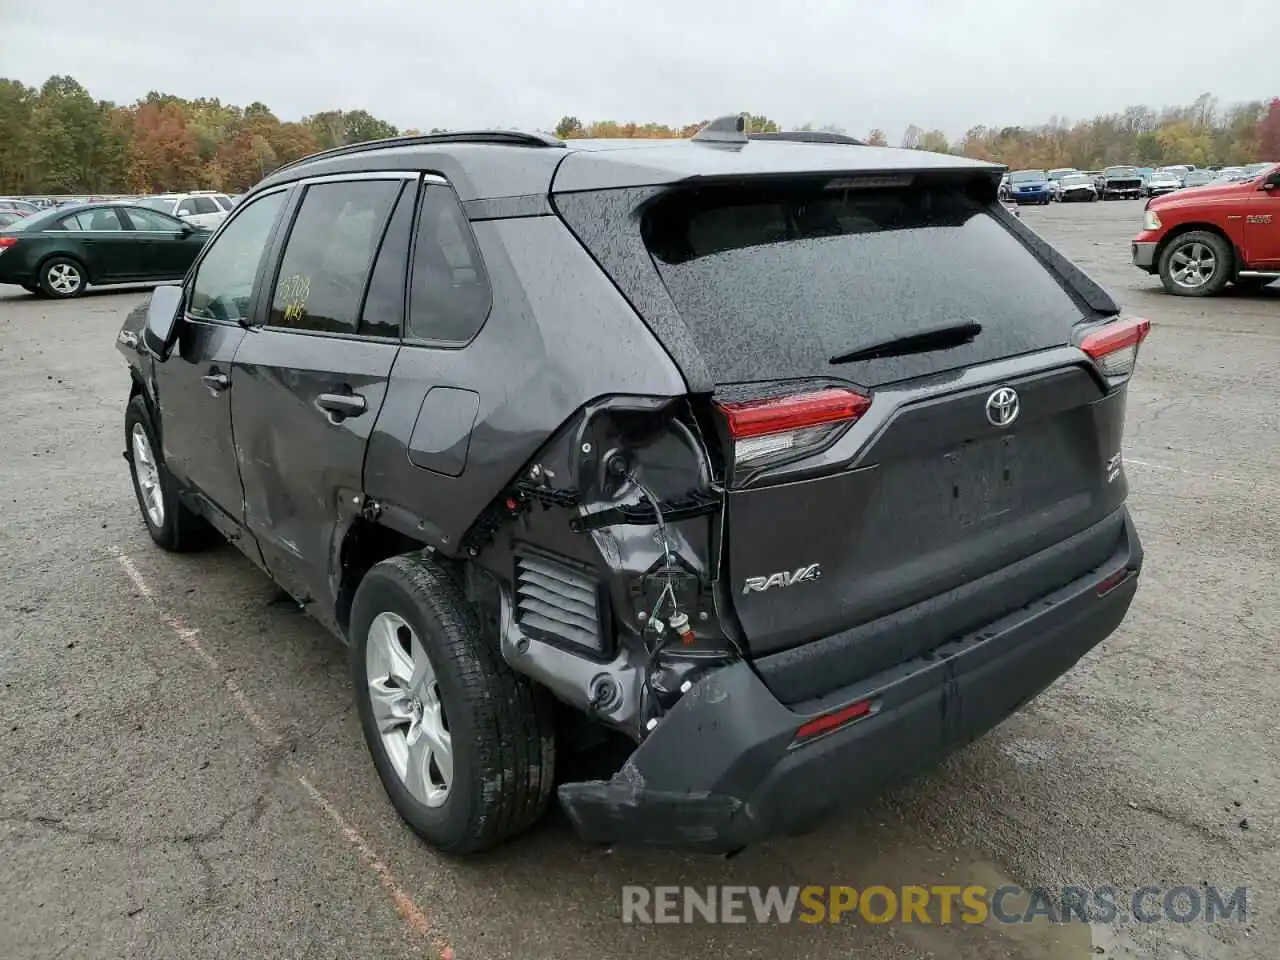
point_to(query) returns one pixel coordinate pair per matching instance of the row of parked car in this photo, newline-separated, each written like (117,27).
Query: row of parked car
(201,208)
(1118,182)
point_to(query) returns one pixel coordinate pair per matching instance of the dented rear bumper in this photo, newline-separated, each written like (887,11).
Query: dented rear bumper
(722,770)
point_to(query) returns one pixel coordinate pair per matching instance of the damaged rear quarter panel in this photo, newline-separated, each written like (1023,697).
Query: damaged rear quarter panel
(559,335)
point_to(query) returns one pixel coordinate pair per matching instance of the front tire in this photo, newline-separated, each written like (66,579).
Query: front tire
(171,524)
(1196,264)
(464,746)
(63,278)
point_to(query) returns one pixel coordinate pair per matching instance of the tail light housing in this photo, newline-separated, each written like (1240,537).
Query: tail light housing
(775,429)
(1113,347)
(6,243)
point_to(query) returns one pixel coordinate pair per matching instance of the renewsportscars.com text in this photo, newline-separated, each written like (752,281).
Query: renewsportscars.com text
(937,904)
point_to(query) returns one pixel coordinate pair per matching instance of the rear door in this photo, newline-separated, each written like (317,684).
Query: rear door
(193,384)
(897,474)
(310,377)
(112,249)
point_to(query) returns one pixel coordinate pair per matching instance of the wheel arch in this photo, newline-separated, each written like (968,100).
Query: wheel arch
(65,255)
(364,543)
(1195,226)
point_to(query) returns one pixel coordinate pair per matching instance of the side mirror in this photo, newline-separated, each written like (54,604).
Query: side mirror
(162,320)
(187,229)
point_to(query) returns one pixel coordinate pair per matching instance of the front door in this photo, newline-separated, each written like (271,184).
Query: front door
(1262,225)
(309,381)
(168,245)
(193,384)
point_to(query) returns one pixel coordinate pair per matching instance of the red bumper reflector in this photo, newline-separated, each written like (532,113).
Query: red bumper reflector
(834,720)
(1109,583)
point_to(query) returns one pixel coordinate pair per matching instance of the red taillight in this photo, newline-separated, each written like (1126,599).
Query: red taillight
(1114,347)
(834,720)
(757,418)
(779,427)
(7,242)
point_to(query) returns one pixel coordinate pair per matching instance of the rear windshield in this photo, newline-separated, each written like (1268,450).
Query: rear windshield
(773,282)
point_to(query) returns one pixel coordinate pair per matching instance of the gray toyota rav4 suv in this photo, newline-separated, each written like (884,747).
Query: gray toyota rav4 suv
(787,463)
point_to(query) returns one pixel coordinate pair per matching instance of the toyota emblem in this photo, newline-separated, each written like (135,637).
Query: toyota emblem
(1002,407)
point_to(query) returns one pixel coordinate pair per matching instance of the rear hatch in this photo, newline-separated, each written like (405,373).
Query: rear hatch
(855,331)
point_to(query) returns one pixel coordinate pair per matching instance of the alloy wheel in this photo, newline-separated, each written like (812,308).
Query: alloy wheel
(64,278)
(1192,265)
(405,696)
(148,474)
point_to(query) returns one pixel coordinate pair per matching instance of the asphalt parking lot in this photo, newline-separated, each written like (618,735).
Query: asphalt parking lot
(182,772)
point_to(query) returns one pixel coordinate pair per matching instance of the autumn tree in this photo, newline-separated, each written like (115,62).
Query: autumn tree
(876,138)
(569,127)
(1269,133)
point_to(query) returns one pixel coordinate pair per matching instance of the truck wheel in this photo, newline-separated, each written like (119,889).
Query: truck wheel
(464,746)
(1196,264)
(171,524)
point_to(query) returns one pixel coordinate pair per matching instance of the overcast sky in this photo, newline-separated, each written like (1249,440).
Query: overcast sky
(511,63)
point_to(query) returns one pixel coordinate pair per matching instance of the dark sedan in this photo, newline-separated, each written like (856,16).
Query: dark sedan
(61,252)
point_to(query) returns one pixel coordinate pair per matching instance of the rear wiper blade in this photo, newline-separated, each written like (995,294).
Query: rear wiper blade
(923,341)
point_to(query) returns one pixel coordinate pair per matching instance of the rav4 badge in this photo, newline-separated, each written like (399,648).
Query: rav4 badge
(783,579)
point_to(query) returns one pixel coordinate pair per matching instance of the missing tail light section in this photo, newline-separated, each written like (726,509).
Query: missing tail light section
(775,429)
(1113,347)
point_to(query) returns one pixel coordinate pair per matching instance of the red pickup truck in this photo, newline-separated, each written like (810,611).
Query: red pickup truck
(1200,239)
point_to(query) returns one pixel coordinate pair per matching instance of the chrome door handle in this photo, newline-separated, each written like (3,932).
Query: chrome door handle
(216,382)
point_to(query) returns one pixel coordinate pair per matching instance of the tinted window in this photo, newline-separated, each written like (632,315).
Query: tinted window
(223,201)
(775,282)
(449,294)
(92,220)
(383,312)
(329,254)
(150,220)
(205,205)
(223,286)
(187,207)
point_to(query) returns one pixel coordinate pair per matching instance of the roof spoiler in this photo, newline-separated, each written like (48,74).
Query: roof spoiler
(733,129)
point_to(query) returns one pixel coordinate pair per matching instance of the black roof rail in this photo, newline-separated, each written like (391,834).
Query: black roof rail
(809,136)
(513,138)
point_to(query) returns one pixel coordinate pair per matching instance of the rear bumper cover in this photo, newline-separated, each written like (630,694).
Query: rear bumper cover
(721,771)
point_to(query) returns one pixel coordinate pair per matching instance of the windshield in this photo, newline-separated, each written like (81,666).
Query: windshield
(1121,171)
(1075,178)
(1026,176)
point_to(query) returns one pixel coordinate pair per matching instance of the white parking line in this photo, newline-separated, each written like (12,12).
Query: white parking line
(410,912)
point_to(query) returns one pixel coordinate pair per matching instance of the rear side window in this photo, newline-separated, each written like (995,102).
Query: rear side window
(92,220)
(383,313)
(329,255)
(774,282)
(205,205)
(449,293)
(223,202)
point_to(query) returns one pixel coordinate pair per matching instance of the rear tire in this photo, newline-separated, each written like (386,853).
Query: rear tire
(1196,264)
(449,683)
(171,524)
(63,277)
